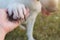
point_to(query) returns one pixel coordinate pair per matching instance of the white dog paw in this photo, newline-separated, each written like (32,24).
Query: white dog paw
(16,11)
(31,39)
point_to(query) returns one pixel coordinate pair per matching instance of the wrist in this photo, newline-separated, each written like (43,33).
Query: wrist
(2,34)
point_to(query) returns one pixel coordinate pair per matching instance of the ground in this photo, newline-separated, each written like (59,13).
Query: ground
(45,28)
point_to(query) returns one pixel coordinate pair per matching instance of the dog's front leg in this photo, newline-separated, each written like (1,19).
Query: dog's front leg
(30,25)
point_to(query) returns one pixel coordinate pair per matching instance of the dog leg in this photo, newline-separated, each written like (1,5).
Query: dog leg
(30,24)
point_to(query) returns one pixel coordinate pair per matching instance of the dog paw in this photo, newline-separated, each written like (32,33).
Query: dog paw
(16,11)
(31,39)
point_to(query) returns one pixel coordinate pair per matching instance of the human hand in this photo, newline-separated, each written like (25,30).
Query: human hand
(5,24)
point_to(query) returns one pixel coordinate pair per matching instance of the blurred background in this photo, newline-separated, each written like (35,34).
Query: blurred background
(45,28)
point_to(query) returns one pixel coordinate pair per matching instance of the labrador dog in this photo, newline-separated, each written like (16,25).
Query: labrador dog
(16,10)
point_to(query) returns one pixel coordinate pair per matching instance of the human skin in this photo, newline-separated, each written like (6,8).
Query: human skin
(6,25)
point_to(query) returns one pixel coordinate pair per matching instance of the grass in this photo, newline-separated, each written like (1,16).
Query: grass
(45,28)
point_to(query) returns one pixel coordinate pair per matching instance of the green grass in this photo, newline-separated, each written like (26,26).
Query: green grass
(45,28)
